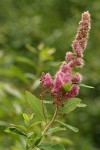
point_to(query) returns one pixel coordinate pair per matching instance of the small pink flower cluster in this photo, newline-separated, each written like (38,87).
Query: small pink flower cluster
(55,87)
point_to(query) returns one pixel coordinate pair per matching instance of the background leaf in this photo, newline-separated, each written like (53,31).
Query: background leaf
(49,146)
(15,130)
(38,139)
(26,118)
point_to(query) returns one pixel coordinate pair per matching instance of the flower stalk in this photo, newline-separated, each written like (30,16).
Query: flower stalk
(51,122)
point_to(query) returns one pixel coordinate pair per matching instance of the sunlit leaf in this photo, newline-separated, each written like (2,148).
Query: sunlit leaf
(46,54)
(31,116)
(26,118)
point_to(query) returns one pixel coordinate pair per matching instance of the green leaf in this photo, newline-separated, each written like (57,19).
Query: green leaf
(36,105)
(56,129)
(35,123)
(67,86)
(31,116)
(17,72)
(22,128)
(86,86)
(81,105)
(61,140)
(15,130)
(38,139)
(70,105)
(26,118)
(49,146)
(68,126)
(73,54)
(3,123)
(13,91)
(25,60)
(35,84)
(30,134)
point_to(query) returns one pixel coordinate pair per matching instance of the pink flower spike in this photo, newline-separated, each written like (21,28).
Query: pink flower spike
(64,75)
(80,41)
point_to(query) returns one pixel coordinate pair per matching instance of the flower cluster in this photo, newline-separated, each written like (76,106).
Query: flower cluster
(66,73)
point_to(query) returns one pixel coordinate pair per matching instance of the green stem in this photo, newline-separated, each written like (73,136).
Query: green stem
(51,122)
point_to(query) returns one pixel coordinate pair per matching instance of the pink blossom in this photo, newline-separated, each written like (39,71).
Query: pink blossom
(69,56)
(77,62)
(66,68)
(58,82)
(47,81)
(66,77)
(77,49)
(77,77)
(73,92)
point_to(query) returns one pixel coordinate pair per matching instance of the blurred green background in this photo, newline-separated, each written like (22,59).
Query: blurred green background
(34,37)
